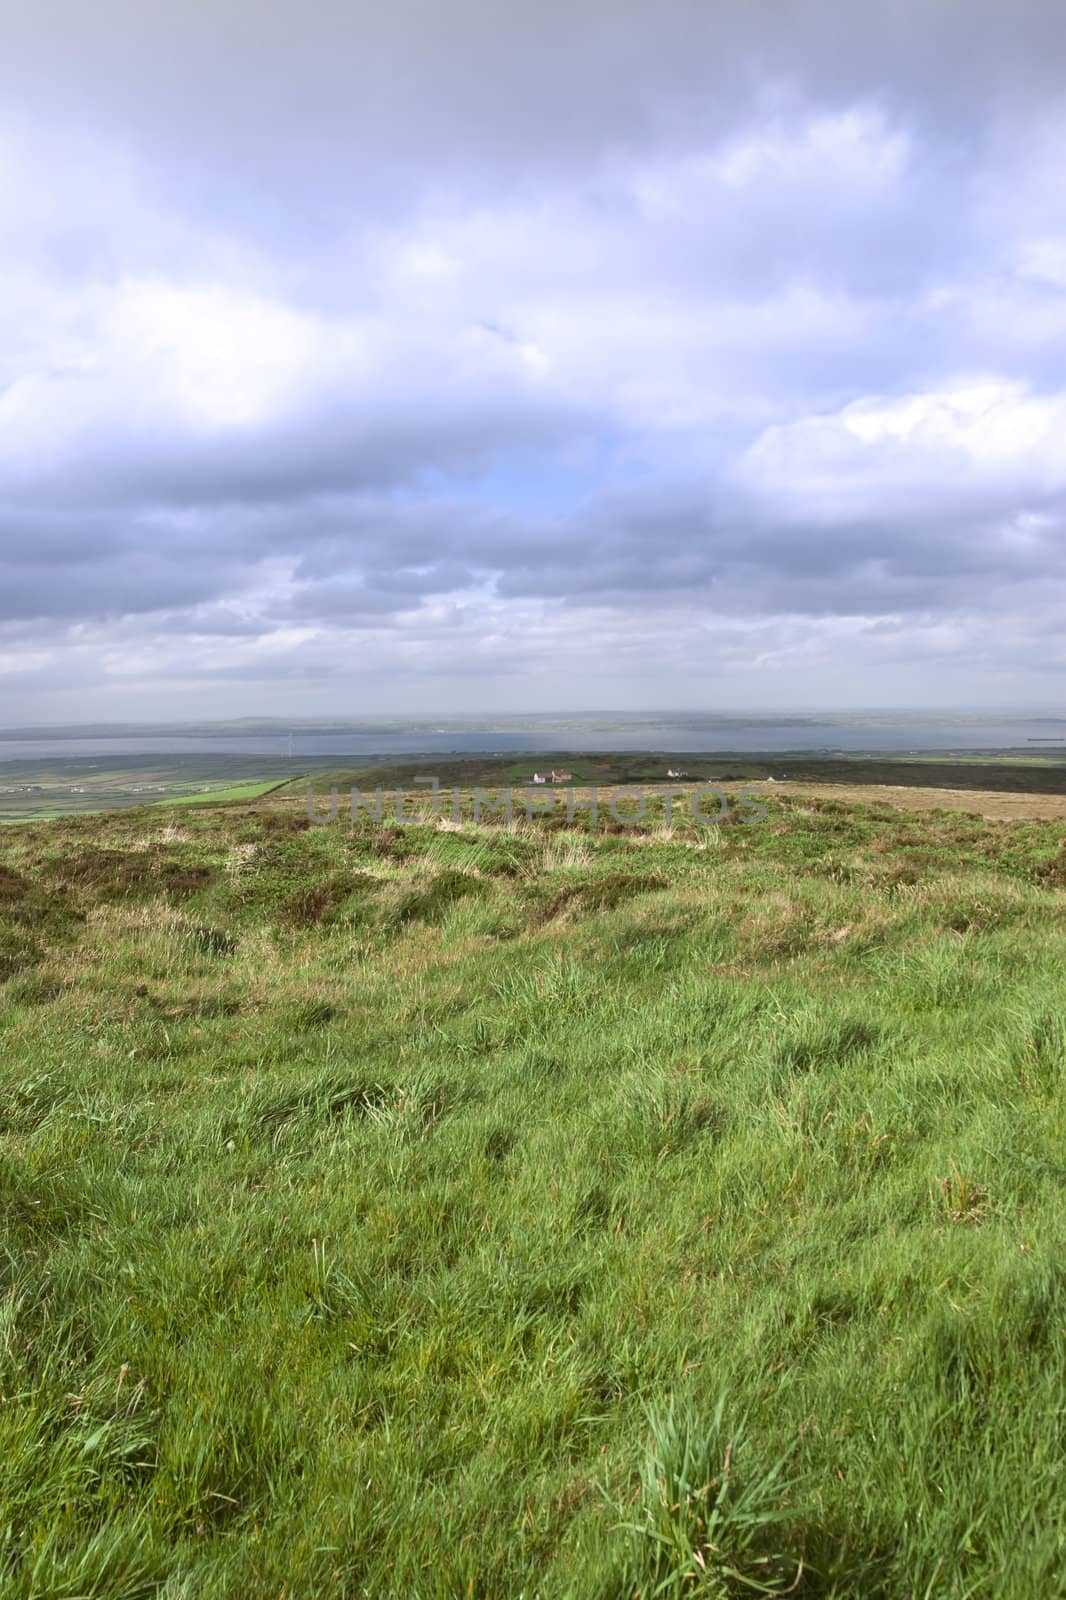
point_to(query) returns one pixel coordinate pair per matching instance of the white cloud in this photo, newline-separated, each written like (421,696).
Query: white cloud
(852,150)
(878,455)
(226,359)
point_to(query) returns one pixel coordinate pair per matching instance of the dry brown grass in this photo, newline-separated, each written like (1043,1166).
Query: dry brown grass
(564,851)
(993,806)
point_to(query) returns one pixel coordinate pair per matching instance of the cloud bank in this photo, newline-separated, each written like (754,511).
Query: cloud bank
(706,356)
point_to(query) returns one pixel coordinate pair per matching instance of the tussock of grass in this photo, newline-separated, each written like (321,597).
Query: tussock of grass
(708,1521)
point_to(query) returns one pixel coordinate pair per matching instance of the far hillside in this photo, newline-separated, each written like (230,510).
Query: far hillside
(81,784)
(1011,773)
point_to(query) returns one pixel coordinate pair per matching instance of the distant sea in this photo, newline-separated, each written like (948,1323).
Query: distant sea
(822,734)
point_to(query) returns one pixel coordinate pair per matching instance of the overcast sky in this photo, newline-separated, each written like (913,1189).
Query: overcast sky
(462,356)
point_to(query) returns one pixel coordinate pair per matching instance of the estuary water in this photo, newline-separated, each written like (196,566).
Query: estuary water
(1033,734)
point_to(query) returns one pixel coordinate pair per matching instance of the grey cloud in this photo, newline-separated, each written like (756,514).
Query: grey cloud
(300,88)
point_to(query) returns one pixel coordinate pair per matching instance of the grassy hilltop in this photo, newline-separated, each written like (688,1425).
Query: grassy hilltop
(481,1212)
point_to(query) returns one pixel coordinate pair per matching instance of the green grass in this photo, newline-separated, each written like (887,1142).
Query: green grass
(548,1213)
(223,795)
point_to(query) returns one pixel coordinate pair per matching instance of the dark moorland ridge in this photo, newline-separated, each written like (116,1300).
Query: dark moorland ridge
(1006,772)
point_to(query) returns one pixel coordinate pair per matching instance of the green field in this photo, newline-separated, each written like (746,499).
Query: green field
(227,795)
(535,1212)
(81,785)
